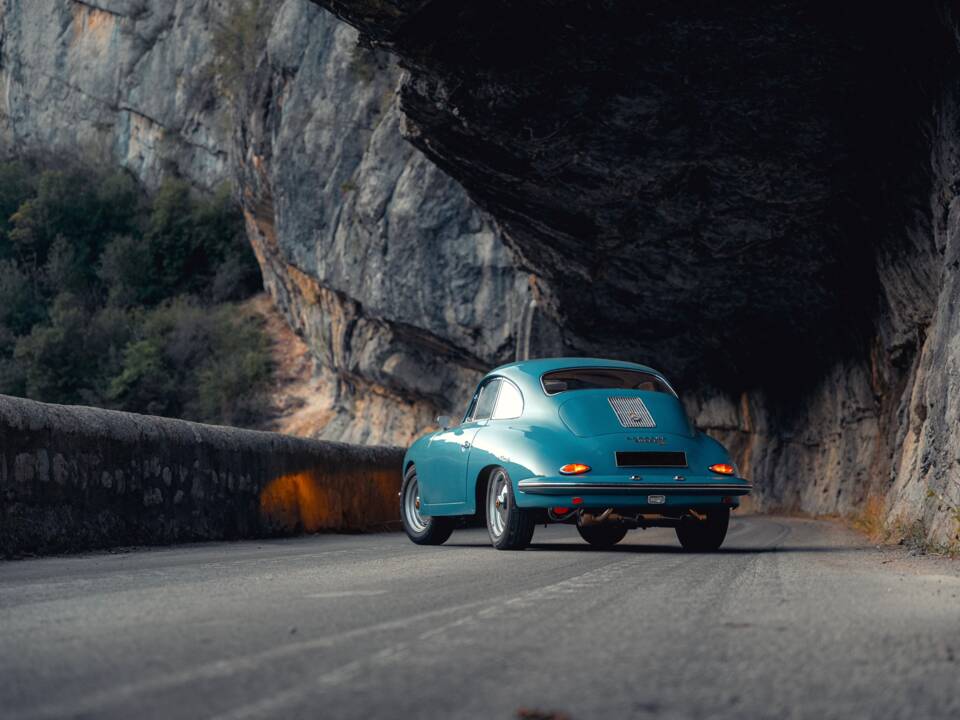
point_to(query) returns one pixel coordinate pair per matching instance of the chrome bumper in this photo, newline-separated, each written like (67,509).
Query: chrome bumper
(555,487)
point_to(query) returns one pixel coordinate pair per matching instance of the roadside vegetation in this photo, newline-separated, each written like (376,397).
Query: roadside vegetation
(115,299)
(873,522)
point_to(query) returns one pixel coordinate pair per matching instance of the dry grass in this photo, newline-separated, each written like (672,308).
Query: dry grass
(871,520)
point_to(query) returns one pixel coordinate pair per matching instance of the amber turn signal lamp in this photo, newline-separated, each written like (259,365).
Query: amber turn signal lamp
(723,469)
(574,469)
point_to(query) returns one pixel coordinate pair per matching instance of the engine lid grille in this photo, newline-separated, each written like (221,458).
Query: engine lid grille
(631,412)
(657,458)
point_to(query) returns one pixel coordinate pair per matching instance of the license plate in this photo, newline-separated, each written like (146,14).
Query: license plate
(656,499)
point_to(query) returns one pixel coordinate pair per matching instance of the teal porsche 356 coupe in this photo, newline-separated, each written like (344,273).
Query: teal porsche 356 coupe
(603,444)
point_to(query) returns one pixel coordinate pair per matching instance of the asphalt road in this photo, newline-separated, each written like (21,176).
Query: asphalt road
(794,618)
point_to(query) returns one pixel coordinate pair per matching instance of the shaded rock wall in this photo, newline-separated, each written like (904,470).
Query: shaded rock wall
(75,478)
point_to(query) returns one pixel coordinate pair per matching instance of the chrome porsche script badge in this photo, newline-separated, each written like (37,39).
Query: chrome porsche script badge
(649,440)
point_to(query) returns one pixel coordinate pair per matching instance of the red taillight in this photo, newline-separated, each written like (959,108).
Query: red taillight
(577,500)
(724,469)
(560,511)
(574,469)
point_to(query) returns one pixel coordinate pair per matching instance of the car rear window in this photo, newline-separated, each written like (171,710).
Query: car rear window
(560,381)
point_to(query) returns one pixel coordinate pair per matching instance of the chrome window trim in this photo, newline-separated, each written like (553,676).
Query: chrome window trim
(472,410)
(523,400)
(602,367)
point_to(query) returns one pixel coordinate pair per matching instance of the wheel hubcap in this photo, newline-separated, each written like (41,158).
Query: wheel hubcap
(411,507)
(497,504)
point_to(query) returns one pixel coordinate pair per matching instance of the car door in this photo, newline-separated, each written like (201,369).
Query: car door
(445,475)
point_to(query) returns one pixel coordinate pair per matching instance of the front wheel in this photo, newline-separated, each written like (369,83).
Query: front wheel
(510,527)
(602,536)
(704,535)
(423,530)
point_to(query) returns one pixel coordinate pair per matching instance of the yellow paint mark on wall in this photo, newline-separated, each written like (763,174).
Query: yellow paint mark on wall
(299,501)
(332,498)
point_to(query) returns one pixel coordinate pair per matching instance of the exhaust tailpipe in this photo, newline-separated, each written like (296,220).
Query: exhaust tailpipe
(587,519)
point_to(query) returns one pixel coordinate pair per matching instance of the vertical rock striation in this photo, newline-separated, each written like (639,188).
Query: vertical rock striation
(402,286)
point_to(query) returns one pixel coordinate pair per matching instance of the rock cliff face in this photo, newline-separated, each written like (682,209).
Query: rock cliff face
(761,201)
(402,288)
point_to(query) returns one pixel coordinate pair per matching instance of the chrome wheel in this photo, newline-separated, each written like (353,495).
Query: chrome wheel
(420,528)
(411,507)
(510,526)
(498,499)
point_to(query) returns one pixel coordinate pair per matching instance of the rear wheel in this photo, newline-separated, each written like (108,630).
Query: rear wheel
(423,530)
(704,535)
(510,527)
(602,536)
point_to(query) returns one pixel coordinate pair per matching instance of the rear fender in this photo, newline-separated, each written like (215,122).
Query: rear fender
(523,450)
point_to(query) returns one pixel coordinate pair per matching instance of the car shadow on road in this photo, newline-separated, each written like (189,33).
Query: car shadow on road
(670,549)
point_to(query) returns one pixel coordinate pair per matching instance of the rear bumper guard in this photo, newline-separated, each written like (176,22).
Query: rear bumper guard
(534,486)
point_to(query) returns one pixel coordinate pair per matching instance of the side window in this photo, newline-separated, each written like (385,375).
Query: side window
(487,400)
(509,402)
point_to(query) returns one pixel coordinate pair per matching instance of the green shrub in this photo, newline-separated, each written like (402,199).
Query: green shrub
(190,240)
(77,205)
(57,365)
(233,382)
(110,298)
(193,363)
(16,185)
(126,271)
(21,303)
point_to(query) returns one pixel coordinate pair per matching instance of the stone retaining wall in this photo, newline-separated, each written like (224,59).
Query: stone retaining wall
(76,478)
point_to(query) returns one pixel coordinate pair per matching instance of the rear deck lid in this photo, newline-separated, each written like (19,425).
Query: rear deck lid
(588,413)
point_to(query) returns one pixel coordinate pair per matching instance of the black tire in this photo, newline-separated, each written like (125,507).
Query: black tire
(602,536)
(704,535)
(422,530)
(510,527)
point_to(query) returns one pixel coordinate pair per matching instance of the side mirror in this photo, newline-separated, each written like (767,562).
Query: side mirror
(445,422)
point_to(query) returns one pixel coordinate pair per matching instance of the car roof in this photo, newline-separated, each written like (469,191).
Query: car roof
(527,370)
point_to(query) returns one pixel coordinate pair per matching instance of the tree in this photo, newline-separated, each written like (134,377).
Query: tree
(58,365)
(16,185)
